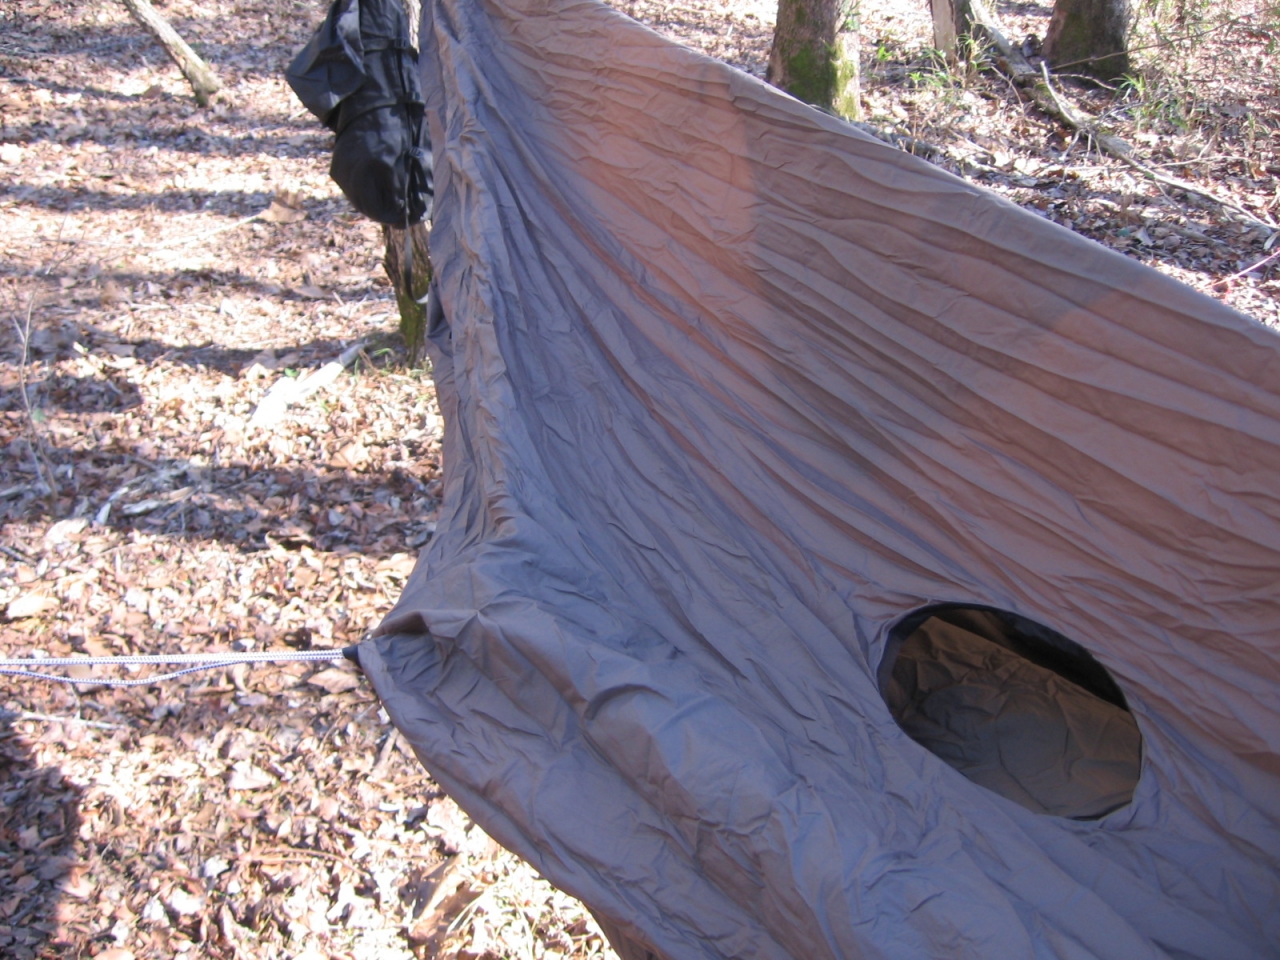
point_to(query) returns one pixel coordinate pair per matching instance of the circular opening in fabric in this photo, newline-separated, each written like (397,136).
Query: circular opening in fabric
(1014,706)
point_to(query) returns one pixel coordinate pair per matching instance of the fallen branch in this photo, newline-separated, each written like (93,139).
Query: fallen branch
(1037,85)
(288,390)
(204,82)
(1124,152)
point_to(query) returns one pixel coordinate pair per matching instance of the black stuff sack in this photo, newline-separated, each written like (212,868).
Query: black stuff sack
(359,76)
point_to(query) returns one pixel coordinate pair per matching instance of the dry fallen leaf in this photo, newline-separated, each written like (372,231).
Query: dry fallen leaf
(184,904)
(286,207)
(64,530)
(214,867)
(328,809)
(77,884)
(29,837)
(112,293)
(245,776)
(30,605)
(354,456)
(447,817)
(335,680)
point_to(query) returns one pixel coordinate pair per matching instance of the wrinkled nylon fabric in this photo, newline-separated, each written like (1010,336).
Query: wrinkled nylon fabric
(729,389)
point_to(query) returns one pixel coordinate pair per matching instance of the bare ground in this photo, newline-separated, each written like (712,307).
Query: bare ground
(171,264)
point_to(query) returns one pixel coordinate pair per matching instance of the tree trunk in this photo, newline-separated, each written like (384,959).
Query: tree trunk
(1089,36)
(204,82)
(951,21)
(411,279)
(815,54)
(409,266)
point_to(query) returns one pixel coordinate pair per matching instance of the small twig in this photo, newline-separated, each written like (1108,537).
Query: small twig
(1218,158)
(171,245)
(1197,237)
(302,856)
(43,472)
(16,554)
(1261,263)
(214,691)
(334,726)
(15,715)
(39,459)
(384,757)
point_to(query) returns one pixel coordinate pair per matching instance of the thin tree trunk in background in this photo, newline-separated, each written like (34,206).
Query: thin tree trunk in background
(204,82)
(951,21)
(1089,36)
(411,281)
(815,54)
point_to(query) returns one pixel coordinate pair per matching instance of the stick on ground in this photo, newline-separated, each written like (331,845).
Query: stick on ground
(204,82)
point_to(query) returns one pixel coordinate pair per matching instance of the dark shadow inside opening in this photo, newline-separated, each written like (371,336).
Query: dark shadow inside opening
(1014,706)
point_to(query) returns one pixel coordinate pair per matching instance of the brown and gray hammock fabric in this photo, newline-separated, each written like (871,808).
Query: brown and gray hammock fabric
(836,561)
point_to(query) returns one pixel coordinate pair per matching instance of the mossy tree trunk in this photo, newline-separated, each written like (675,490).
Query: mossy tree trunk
(815,54)
(204,82)
(1089,36)
(409,267)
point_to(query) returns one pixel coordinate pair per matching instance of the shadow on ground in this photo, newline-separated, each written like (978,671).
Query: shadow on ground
(39,826)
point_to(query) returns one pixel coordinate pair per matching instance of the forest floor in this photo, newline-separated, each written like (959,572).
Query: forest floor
(163,266)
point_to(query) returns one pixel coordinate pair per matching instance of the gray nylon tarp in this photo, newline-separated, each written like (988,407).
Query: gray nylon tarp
(729,390)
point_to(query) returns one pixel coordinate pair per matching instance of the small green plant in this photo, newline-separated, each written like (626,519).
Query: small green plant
(971,54)
(1158,106)
(1271,24)
(852,20)
(932,71)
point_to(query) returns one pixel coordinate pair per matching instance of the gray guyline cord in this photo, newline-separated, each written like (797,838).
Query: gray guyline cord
(197,661)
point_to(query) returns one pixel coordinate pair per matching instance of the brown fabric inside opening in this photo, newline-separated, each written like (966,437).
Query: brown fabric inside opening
(1016,708)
